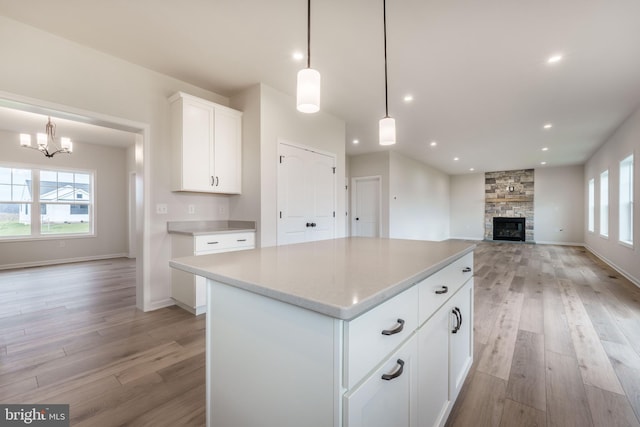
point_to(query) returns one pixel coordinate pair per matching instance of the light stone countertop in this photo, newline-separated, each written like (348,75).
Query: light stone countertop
(341,278)
(198,228)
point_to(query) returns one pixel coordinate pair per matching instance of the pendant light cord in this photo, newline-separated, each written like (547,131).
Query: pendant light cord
(308,33)
(384,20)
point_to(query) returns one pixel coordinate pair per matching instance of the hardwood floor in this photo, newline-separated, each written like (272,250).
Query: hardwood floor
(71,334)
(557,344)
(557,341)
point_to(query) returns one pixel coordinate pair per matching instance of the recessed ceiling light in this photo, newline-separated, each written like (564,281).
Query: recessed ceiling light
(355,141)
(545,148)
(548,126)
(543,163)
(554,58)
(298,56)
(408,98)
(455,159)
(433,143)
(471,169)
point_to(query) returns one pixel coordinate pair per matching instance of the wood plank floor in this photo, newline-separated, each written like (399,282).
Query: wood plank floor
(557,338)
(557,344)
(71,334)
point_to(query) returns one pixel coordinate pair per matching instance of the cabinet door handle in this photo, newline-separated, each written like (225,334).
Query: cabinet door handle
(456,311)
(444,290)
(308,224)
(213,181)
(466,270)
(396,373)
(217,181)
(313,224)
(395,330)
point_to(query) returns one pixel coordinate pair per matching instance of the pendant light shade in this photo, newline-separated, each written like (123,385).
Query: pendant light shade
(308,90)
(308,98)
(387,124)
(387,131)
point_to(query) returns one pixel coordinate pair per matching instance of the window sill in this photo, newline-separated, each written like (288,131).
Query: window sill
(626,244)
(9,239)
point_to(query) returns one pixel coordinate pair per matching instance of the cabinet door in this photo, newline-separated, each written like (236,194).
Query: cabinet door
(197,146)
(433,369)
(461,342)
(379,402)
(227,151)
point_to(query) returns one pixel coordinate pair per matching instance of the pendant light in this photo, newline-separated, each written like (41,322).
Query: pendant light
(308,98)
(387,124)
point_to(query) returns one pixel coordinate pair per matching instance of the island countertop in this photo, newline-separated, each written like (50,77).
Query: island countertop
(341,278)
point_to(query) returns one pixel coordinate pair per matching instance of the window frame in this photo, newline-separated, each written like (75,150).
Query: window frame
(36,204)
(625,213)
(604,204)
(591,205)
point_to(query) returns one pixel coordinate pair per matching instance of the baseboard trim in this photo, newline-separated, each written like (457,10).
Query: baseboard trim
(156,305)
(559,243)
(62,261)
(613,265)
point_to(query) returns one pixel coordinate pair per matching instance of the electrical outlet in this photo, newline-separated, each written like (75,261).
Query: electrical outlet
(192,209)
(161,209)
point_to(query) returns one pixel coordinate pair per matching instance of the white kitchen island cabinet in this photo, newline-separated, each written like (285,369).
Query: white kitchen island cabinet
(348,332)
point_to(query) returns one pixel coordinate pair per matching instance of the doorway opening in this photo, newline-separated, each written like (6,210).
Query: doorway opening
(366,206)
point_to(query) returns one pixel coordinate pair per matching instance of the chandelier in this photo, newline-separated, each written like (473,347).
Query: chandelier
(47,144)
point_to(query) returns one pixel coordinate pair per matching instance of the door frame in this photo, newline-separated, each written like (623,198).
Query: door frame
(354,189)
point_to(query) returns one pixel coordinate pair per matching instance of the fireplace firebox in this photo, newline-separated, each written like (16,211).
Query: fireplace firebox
(506,228)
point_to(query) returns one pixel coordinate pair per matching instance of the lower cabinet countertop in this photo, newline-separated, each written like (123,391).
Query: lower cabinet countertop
(341,278)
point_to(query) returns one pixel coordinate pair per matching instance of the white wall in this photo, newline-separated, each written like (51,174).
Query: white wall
(111,219)
(625,141)
(85,79)
(559,205)
(467,206)
(418,200)
(274,114)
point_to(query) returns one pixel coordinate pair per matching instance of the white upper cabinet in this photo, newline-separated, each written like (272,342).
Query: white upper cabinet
(207,146)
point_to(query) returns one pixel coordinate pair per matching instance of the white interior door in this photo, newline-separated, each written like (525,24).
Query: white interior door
(306,195)
(365,206)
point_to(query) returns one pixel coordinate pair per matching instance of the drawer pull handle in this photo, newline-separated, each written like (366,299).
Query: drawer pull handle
(396,373)
(212,243)
(395,330)
(458,314)
(444,290)
(466,270)
(242,240)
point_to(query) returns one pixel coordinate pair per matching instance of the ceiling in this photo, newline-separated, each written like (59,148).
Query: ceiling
(477,71)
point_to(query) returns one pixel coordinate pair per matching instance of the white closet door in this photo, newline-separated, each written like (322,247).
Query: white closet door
(306,195)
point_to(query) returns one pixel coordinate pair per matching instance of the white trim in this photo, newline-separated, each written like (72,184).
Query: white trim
(544,242)
(155,305)
(61,261)
(629,277)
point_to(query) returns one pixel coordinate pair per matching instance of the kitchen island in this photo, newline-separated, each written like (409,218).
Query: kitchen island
(345,332)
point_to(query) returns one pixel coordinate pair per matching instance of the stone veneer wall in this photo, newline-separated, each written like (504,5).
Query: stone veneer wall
(509,194)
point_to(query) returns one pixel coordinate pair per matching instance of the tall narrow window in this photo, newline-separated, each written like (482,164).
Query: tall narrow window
(15,202)
(626,200)
(592,205)
(604,203)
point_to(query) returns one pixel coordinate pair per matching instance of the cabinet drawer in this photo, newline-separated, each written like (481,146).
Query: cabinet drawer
(371,337)
(222,242)
(436,289)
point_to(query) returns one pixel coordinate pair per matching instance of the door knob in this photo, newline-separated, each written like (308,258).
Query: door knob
(357,219)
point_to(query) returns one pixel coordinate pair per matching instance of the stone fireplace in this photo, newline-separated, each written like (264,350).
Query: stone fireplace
(509,194)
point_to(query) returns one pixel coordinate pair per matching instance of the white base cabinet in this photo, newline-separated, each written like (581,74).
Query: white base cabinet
(400,364)
(188,290)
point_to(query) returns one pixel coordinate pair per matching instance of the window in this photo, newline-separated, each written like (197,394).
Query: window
(64,205)
(15,202)
(592,205)
(604,203)
(626,200)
